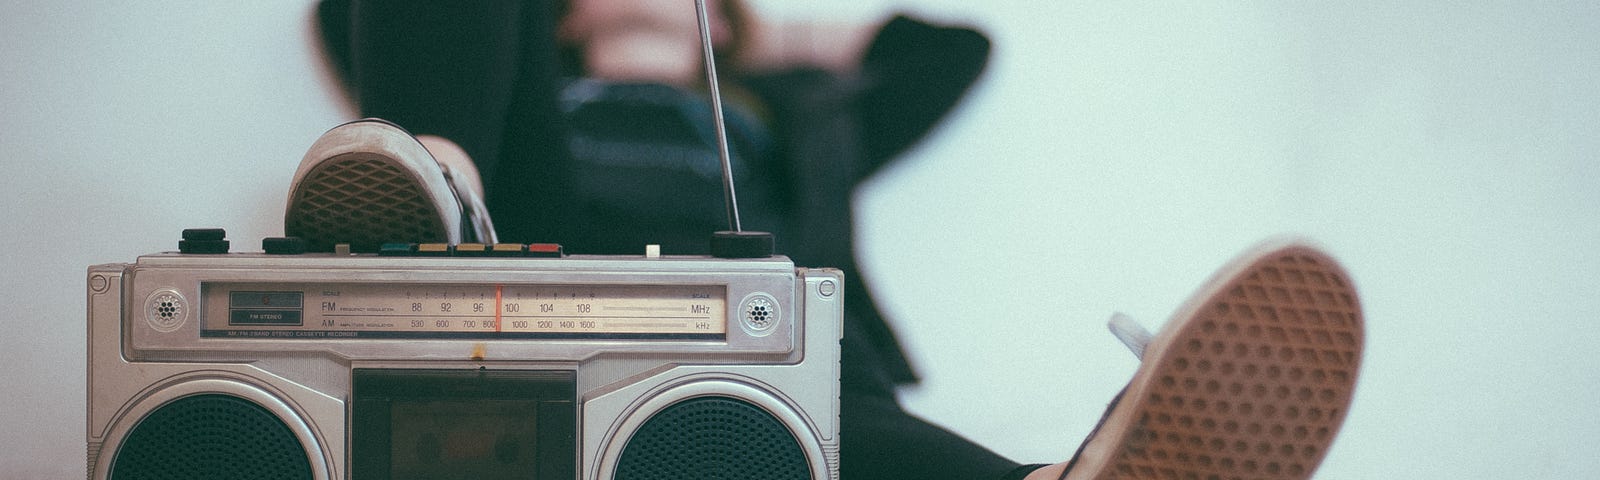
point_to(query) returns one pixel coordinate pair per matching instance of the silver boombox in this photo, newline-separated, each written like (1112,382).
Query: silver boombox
(332,366)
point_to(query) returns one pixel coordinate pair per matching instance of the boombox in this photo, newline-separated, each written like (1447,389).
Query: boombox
(372,366)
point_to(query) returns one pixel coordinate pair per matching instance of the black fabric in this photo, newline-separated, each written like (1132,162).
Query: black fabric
(441,68)
(838,132)
(813,113)
(880,440)
(489,76)
(642,158)
(902,446)
(1022,471)
(913,74)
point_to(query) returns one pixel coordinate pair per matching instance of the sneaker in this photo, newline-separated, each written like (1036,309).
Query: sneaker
(1250,379)
(370,182)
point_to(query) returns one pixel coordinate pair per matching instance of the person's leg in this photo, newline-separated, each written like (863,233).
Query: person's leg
(480,74)
(879,440)
(439,68)
(529,193)
(820,136)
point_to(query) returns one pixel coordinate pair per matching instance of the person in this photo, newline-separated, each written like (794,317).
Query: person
(578,123)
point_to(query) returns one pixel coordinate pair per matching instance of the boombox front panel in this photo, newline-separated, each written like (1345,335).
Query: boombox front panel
(636,342)
(385,308)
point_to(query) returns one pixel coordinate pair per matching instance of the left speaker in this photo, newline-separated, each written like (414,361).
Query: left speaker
(204,427)
(197,420)
(211,435)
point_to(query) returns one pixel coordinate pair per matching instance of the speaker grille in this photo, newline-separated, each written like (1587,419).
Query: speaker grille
(712,438)
(210,436)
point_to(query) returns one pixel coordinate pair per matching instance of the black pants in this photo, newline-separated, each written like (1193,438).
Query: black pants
(487,75)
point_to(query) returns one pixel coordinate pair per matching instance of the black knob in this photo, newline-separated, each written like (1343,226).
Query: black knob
(283,245)
(203,240)
(730,244)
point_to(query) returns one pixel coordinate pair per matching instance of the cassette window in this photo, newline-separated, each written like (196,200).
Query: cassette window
(482,424)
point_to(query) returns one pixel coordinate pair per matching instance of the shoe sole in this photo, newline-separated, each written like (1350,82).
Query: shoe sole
(1251,379)
(365,196)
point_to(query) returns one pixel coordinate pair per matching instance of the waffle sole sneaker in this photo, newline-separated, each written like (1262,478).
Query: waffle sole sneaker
(370,182)
(1250,379)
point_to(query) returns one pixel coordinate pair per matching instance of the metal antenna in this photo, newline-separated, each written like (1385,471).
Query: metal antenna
(716,114)
(735,243)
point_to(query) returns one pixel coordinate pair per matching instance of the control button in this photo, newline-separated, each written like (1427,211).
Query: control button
(433,249)
(472,250)
(508,249)
(283,245)
(547,250)
(397,249)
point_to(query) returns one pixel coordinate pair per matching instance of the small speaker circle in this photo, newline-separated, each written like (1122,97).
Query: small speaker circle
(165,310)
(759,314)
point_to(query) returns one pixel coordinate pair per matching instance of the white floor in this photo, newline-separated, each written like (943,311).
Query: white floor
(1114,155)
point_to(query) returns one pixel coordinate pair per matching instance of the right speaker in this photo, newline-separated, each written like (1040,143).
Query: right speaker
(712,437)
(716,425)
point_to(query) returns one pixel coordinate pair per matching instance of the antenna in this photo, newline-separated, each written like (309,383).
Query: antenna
(716,114)
(734,243)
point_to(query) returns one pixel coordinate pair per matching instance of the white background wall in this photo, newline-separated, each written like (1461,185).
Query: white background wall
(1115,154)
